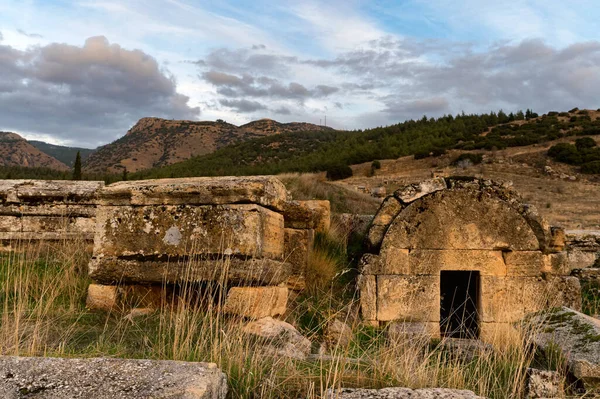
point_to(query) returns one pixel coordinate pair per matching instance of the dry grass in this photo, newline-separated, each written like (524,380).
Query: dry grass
(43,313)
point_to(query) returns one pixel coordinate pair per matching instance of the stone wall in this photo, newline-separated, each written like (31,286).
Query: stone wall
(244,232)
(469,225)
(583,247)
(37,210)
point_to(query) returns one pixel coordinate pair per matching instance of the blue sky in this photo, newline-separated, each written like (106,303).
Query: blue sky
(83,72)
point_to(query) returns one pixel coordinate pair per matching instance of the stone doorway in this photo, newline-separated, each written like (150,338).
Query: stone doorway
(459,304)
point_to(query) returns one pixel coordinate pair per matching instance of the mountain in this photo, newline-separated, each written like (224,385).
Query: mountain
(320,151)
(16,151)
(64,154)
(155,142)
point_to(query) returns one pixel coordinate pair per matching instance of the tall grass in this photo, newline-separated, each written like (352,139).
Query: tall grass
(43,314)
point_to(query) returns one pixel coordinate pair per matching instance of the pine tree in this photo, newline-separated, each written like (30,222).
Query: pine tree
(77,167)
(124,175)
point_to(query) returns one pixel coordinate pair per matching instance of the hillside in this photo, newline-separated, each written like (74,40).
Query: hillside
(16,151)
(64,154)
(318,151)
(154,142)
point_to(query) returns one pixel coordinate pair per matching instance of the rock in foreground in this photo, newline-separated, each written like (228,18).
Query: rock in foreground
(401,393)
(100,378)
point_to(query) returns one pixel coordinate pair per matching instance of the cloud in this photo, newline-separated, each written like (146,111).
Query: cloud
(30,35)
(243,106)
(88,95)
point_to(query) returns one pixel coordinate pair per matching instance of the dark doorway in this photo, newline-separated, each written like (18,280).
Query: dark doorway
(459,300)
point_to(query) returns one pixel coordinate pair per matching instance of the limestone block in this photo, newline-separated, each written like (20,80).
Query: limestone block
(112,269)
(312,214)
(256,302)
(543,384)
(367,286)
(371,264)
(497,332)
(108,378)
(403,330)
(461,219)
(64,191)
(501,299)
(424,262)
(298,246)
(389,209)
(579,259)
(578,338)
(267,191)
(558,239)
(557,263)
(102,297)
(49,209)
(58,224)
(395,261)
(415,191)
(525,263)
(278,338)
(408,298)
(399,393)
(10,224)
(180,230)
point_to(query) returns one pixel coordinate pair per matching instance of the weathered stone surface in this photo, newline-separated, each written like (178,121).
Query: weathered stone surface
(180,230)
(103,378)
(350,223)
(10,224)
(460,219)
(431,262)
(412,192)
(590,274)
(558,240)
(524,263)
(371,264)
(338,333)
(256,302)
(578,338)
(112,269)
(298,246)
(557,263)
(279,338)
(395,261)
(367,286)
(579,259)
(311,214)
(408,298)
(267,191)
(389,209)
(39,192)
(400,393)
(583,247)
(411,330)
(543,384)
(102,297)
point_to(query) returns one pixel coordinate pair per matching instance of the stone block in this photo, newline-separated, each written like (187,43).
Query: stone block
(558,239)
(102,297)
(415,191)
(557,263)
(389,209)
(398,330)
(395,261)
(112,270)
(431,262)
(399,393)
(408,298)
(256,302)
(10,224)
(298,246)
(40,192)
(501,299)
(367,286)
(311,214)
(543,384)
(495,333)
(278,338)
(579,259)
(267,191)
(181,230)
(108,378)
(525,263)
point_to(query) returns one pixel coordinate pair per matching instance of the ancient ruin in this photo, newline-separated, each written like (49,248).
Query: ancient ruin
(45,211)
(243,232)
(462,257)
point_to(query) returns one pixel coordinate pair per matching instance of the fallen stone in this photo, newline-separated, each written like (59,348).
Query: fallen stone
(577,337)
(298,246)
(400,393)
(412,192)
(256,302)
(311,214)
(279,338)
(102,297)
(267,191)
(338,333)
(542,384)
(103,378)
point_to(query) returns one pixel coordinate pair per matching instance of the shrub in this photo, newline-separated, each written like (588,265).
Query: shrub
(591,167)
(376,165)
(475,159)
(585,142)
(566,153)
(574,110)
(339,172)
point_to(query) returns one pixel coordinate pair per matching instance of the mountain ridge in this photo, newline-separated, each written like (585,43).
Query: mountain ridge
(17,151)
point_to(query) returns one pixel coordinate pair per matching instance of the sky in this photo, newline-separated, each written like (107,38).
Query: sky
(81,73)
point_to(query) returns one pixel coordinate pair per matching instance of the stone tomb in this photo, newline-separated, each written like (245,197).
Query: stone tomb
(242,231)
(461,257)
(33,211)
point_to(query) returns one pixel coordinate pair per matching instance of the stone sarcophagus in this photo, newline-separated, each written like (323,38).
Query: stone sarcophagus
(461,257)
(242,231)
(45,210)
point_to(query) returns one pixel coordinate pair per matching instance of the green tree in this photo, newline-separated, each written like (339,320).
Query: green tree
(124,175)
(77,167)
